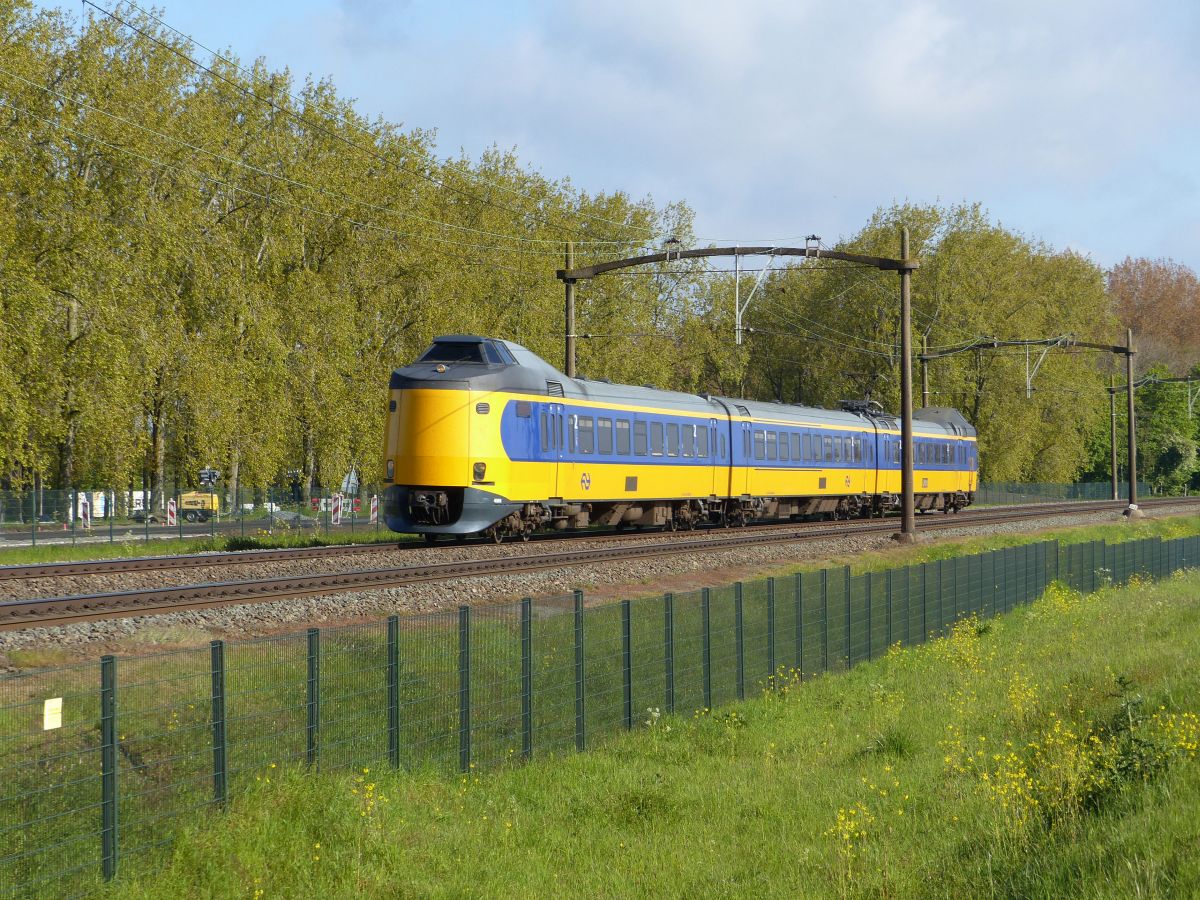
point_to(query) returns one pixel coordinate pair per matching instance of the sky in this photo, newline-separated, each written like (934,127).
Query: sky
(1075,122)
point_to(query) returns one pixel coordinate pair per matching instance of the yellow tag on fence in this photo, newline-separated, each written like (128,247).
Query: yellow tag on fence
(52,714)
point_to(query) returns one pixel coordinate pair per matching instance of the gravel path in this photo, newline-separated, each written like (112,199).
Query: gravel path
(601,581)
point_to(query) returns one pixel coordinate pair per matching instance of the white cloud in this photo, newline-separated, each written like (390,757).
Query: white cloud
(772,118)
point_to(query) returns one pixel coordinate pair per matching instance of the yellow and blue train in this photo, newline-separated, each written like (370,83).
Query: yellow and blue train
(484,436)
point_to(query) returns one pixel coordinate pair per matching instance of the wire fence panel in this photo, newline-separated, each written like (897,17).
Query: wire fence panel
(429,686)
(495,688)
(553,675)
(689,652)
(99,762)
(604,671)
(51,792)
(353,700)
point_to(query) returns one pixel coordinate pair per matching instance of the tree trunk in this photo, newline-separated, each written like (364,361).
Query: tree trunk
(232,486)
(310,464)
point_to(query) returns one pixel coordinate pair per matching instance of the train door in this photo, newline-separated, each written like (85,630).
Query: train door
(554,452)
(717,487)
(741,459)
(872,456)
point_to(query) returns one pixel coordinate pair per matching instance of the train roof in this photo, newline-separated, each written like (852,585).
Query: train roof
(458,360)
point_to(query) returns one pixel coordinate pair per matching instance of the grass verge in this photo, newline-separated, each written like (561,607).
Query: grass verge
(1051,752)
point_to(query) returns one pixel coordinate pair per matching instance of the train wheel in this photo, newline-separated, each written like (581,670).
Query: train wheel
(525,536)
(497,535)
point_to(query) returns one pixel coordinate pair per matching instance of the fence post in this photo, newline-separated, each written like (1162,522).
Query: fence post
(627,660)
(706,646)
(73,500)
(771,630)
(739,636)
(393,688)
(109,806)
(220,788)
(580,709)
(464,688)
(109,509)
(669,649)
(314,696)
(527,678)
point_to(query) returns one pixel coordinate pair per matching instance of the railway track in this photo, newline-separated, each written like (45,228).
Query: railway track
(295,554)
(62,610)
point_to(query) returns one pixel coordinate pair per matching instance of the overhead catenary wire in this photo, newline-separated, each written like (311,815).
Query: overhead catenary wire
(299,119)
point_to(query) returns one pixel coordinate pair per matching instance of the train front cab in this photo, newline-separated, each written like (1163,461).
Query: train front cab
(444,460)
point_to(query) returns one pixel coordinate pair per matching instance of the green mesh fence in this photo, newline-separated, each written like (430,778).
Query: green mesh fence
(99,762)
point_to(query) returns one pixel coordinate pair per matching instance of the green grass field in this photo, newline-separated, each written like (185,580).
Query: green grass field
(1050,752)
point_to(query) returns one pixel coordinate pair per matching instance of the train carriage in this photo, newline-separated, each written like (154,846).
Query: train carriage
(485,436)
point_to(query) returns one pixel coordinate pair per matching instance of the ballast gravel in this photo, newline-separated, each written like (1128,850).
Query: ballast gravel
(600,581)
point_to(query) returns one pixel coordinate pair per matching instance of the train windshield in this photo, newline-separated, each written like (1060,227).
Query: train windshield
(454,352)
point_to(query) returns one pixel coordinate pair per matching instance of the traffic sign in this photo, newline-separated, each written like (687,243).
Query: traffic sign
(85,510)
(209,476)
(337,509)
(171,516)
(374,508)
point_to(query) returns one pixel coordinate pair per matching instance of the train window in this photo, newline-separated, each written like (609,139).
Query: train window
(587,436)
(870,454)
(689,440)
(746,435)
(623,436)
(848,449)
(604,435)
(545,429)
(772,446)
(827,442)
(783,446)
(760,445)
(672,439)
(795,445)
(808,446)
(524,409)
(897,451)
(641,445)
(656,439)
(702,441)
(571,432)
(722,446)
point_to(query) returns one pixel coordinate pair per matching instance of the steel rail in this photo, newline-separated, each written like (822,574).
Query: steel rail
(61,610)
(291,554)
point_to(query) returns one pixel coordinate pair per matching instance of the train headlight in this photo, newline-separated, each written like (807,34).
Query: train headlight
(391,469)
(479,470)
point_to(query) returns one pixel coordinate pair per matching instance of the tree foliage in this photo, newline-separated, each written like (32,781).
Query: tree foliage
(215,264)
